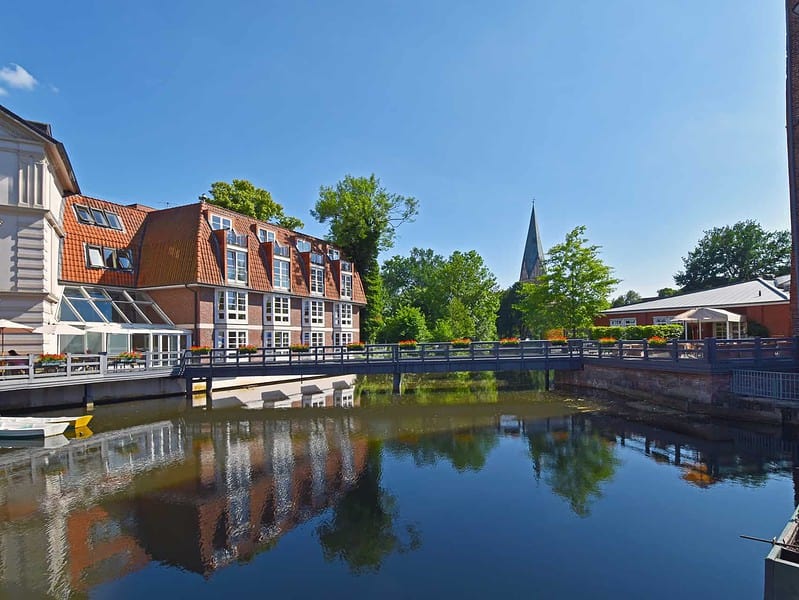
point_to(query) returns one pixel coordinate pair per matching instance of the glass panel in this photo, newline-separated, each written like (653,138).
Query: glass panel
(113,220)
(99,217)
(117,342)
(94,292)
(141,342)
(139,296)
(66,314)
(152,314)
(84,216)
(72,292)
(110,258)
(117,295)
(94,342)
(128,309)
(124,259)
(94,257)
(73,344)
(85,309)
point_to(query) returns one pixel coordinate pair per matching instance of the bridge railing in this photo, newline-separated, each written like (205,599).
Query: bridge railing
(34,368)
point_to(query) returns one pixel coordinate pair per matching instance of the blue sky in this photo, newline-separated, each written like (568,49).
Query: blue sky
(648,122)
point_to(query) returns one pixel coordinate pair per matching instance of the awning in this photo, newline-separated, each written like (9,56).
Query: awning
(708,315)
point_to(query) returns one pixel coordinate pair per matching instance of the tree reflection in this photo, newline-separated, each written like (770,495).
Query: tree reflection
(574,464)
(363,529)
(465,449)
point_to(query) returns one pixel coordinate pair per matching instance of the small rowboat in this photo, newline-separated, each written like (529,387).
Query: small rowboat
(13,429)
(80,421)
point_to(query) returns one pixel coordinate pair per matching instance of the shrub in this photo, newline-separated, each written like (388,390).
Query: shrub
(299,348)
(512,341)
(356,346)
(200,349)
(657,341)
(637,332)
(461,343)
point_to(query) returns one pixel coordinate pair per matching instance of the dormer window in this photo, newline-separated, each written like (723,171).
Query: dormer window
(99,257)
(303,245)
(333,254)
(264,235)
(219,222)
(317,281)
(346,285)
(97,217)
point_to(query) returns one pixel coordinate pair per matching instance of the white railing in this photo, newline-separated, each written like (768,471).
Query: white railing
(766,384)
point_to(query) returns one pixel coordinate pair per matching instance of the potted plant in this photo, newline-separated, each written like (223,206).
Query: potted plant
(52,359)
(657,341)
(355,346)
(511,341)
(129,357)
(461,343)
(607,341)
(299,348)
(247,349)
(557,341)
(407,344)
(200,349)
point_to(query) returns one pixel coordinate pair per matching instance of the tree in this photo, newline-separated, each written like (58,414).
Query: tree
(572,291)
(458,295)
(510,321)
(667,292)
(629,297)
(733,254)
(363,218)
(243,197)
(407,323)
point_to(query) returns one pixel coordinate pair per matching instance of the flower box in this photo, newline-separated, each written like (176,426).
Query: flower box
(247,349)
(509,341)
(461,343)
(561,341)
(300,348)
(407,344)
(354,346)
(607,341)
(200,349)
(657,342)
(49,359)
(129,356)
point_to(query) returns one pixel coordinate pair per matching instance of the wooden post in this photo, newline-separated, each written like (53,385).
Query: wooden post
(88,396)
(189,391)
(209,389)
(397,387)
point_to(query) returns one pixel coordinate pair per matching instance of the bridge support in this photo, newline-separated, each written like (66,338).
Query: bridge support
(209,389)
(397,386)
(546,380)
(88,397)
(189,392)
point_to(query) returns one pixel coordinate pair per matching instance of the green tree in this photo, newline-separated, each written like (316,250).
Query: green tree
(243,197)
(733,254)
(407,323)
(457,295)
(629,297)
(510,320)
(363,217)
(667,292)
(572,291)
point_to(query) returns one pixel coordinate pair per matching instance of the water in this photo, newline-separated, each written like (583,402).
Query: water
(470,491)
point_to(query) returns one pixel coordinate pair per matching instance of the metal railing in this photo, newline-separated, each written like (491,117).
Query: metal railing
(766,384)
(32,368)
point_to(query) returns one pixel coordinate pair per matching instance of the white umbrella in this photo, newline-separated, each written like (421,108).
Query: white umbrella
(108,328)
(11,327)
(59,329)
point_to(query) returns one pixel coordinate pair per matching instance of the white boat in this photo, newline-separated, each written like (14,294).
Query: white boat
(79,421)
(11,428)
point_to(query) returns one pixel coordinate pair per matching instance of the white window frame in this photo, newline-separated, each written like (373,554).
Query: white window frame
(313,312)
(624,322)
(266,235)
(342,315)
(346,285)
(219,222)
(281,280)
(236,269)
(223,338)
(333,254)
(277,309)
(318,281)
(313,338)
(94,261)
(661,320)
(231,306)
(342,338)
(303,245)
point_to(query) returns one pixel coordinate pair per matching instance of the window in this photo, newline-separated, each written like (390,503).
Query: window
(280,276)
(303,245)
(98,217)
(231,338)
(264,235)
(346,266)
(623,322)
(346,285)
(110,258)
(342,315)
(94,304)
(313,312)
(317,281)
(94,257)
(218,222)
(342,338)
(124,260)
(661,320)
(314,338)
(237,266)
(282,339)
(231,306)
(277,309)
(333,254)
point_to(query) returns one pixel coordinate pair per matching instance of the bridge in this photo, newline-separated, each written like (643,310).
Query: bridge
(698,356)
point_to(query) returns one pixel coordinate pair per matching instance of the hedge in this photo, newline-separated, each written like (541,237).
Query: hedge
(637,332)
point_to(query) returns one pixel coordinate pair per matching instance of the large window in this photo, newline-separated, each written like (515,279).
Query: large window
(99,257)
(94,304)
(661,320)
(281,274)
(342,338)
(629,322)
(230,338)
(317,281)
(303,245)
(333,254)
(231,306)
(277,309)
(277,339)
(264,235)
(97,217)
(236,266)
(342,315)
(219,222)
(314,338)
(346,285)
(313,312)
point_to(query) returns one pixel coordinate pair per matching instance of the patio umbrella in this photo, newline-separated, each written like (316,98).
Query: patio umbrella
(10,327)
(59,329)
(709,315)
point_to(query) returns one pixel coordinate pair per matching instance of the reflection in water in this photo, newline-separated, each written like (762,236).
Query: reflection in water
(207,490)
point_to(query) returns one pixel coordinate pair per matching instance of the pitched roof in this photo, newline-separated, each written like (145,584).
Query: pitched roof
(532,267)
(758,291)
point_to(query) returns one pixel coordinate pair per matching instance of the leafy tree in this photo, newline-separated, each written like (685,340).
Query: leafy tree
(466,449)
(733,254)
(363,217)
(407,323)
(362,531)
(667,292)
(458,295)
(243,197)
(629,297)
(510,320)
(572,291)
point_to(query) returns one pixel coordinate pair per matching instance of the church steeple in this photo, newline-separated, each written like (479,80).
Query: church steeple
(532,266)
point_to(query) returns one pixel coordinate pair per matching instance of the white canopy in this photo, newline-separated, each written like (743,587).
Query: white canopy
(708,315)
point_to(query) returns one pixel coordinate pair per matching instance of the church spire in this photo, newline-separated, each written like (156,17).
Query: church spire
(532,266)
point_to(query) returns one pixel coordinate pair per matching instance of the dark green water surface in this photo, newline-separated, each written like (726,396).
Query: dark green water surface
(460,490)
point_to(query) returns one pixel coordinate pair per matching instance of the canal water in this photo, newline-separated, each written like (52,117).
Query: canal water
(462,487)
